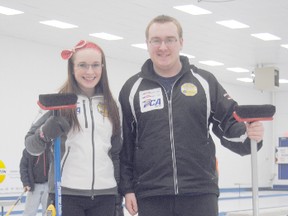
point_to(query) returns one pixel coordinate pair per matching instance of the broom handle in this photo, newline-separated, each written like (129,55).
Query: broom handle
(255,197)
(12,207)
(57,172)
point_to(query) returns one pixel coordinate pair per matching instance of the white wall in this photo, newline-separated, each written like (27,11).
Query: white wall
(236,169)
(281,126)
(29,69)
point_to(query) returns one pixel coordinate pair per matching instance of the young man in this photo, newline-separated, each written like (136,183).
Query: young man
(168,163)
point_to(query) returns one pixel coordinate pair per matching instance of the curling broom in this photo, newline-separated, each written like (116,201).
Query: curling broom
(252,113)
(16,202)
(57,102)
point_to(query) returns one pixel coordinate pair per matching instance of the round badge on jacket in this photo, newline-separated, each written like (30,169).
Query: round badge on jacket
(189,89)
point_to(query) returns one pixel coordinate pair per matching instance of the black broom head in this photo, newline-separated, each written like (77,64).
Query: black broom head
(249,113)
(57,101)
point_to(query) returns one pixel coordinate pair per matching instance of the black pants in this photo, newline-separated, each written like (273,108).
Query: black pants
(85,206)
(200,205)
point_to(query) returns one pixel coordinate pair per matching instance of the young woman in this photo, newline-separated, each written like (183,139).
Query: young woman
(90,137)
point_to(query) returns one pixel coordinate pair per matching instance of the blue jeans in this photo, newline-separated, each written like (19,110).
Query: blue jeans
(35,198)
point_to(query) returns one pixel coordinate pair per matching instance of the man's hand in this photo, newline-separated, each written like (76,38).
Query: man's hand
(255,131)
(27,188)
(131,203)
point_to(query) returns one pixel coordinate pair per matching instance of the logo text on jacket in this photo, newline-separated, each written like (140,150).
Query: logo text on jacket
(151,99)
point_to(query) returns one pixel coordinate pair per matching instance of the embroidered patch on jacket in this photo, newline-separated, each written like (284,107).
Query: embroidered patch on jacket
(189,89)
(78,110)
(102,109)
(151,99)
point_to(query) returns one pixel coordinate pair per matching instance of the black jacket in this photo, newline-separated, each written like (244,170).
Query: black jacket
(167,146)
(34,169)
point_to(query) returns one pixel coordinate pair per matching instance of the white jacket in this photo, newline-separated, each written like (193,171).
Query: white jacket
(90,158)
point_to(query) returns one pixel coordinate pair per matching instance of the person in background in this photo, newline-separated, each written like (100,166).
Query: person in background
(34,176)
(90,137)
(167,162)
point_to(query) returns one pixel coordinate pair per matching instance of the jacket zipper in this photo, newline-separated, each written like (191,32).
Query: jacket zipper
(44,162)
(93,148)
(172,141)
(85,114)
(173,147)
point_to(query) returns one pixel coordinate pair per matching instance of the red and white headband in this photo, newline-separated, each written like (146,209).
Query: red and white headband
(67,54)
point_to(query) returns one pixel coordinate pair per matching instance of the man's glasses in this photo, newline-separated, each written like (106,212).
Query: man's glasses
(157,42)
(85,66)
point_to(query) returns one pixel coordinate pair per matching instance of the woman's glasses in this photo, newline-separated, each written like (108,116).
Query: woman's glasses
(85,66)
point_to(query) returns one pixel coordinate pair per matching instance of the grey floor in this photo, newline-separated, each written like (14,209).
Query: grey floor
(274,203)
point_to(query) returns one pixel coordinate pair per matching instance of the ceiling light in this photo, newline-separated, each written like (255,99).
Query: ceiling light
(248,80)
(187,55)
(215,1)
(266,36)
(191,9)
(232,24)
(58,24)
(105,36)
(9,11)
(211,63)
(285,46)
(141,46)
(283,81)
(238,70)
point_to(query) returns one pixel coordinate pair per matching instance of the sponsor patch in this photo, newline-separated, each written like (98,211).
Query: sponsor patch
(78,110)
(189,89)
(102,109)
(151,99)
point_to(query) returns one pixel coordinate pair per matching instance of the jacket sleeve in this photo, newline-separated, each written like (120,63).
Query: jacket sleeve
(116,142)
(129,137)
(33,143)
(231,133)
(24,169)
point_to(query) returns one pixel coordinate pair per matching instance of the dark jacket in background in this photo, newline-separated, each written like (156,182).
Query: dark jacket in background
(34,169)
